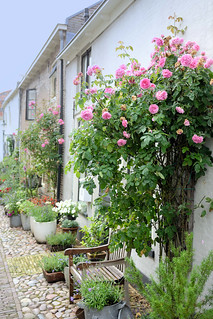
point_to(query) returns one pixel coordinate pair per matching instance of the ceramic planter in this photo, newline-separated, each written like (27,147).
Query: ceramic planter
(73,230)
(32,221)
(108,312)
(44,229)
(15,220)
(25,220)
(53,276)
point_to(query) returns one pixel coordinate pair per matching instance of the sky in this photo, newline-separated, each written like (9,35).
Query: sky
(24,28)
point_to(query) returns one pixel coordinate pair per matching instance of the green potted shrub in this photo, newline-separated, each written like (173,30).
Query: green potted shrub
(53,266)
(60,241)
(101,299)
(44,223)
(96,234)
(25,208)
(13,211)
(69,226)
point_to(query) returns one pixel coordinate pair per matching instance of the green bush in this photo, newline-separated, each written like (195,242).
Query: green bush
(66,223)
(62,239)
(26,207)
(176,293)
(98,294)
(54,262)
(43,213)
(95,234)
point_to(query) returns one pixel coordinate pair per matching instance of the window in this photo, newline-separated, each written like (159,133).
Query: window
(85,62)
(53,81)
(30,104)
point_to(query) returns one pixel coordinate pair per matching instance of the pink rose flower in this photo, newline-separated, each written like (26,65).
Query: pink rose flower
(197,139)
(46,142)
(89,71)
(76,81)
(86,114)
(186,59)
(179,110)
(153,109)
(109,91)
(161,95)
(58,106)
(145,83)
(89,107)
(186,122)
(125,134)
(14,134)
(60,121)
(96,69)
(162,62)
(158,41)
(55,112)
(60,140)
(179,131)
(152,86)
(119,73)
(166,73)
(93,90)
(41,115)
(176,41)
(124,123)
(121,142)
(106,115)
(50,109)
(208,63)
(87,91)
(43,145)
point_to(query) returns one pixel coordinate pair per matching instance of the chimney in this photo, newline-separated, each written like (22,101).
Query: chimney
(86,14)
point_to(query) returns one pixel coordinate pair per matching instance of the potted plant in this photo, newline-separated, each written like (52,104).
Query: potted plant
(26,208)
(45,222)
(101,299)
(60,241)
(95,234)
(68,209)
(53,266)
(13,212)
(69,226)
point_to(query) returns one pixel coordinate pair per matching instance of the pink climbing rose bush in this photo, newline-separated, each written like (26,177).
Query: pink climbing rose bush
(166,109)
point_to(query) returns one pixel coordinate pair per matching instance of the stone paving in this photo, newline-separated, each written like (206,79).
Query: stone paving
(24,293)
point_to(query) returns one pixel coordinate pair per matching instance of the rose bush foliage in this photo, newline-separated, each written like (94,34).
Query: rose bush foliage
(143,136)
(40,145)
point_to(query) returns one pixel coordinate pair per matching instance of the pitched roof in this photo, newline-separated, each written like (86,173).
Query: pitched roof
(3,96)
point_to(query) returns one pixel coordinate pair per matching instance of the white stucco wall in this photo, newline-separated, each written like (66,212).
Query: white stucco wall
(137,26)
(11,116)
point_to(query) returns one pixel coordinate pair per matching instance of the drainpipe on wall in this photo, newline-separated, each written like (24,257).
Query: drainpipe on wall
(60,148)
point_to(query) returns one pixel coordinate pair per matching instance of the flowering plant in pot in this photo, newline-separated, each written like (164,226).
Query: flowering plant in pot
(69,209)
(147,127)
(53,266)
(25,208)
(100,298)
(60,241)
(44,222)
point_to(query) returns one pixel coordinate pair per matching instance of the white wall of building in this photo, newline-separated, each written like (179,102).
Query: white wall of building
(137,26)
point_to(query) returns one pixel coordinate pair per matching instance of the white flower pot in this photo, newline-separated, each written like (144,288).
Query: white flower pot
(25,220)
(43,229)
(32,220)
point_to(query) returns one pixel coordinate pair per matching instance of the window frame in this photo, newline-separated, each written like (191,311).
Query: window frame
(84,66)
(27,105)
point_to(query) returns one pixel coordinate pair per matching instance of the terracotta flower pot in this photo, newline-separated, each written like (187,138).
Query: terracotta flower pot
(53,276)
(73,230)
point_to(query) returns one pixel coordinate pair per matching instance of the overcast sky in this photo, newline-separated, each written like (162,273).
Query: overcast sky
(24,28)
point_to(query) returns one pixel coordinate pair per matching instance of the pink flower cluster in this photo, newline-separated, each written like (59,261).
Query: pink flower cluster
(120,72)
(121,142)
(61,140)
(179,110)
(153,109)
(93,90)
(108,92)
(166,73)
(95,69)
(55,112)
(87,114)
(125,134)
(60,121)
(77,80)
(197,139)
(106,115)
(161,95)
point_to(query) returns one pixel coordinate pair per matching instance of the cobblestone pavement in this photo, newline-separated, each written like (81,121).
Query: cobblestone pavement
(24,293)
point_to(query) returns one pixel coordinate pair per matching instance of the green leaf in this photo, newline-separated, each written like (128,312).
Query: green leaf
(203,213)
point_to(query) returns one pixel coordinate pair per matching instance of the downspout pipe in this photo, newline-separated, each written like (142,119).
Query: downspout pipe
(60,148)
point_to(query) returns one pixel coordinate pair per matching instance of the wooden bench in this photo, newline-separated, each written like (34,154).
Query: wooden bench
(112,268)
